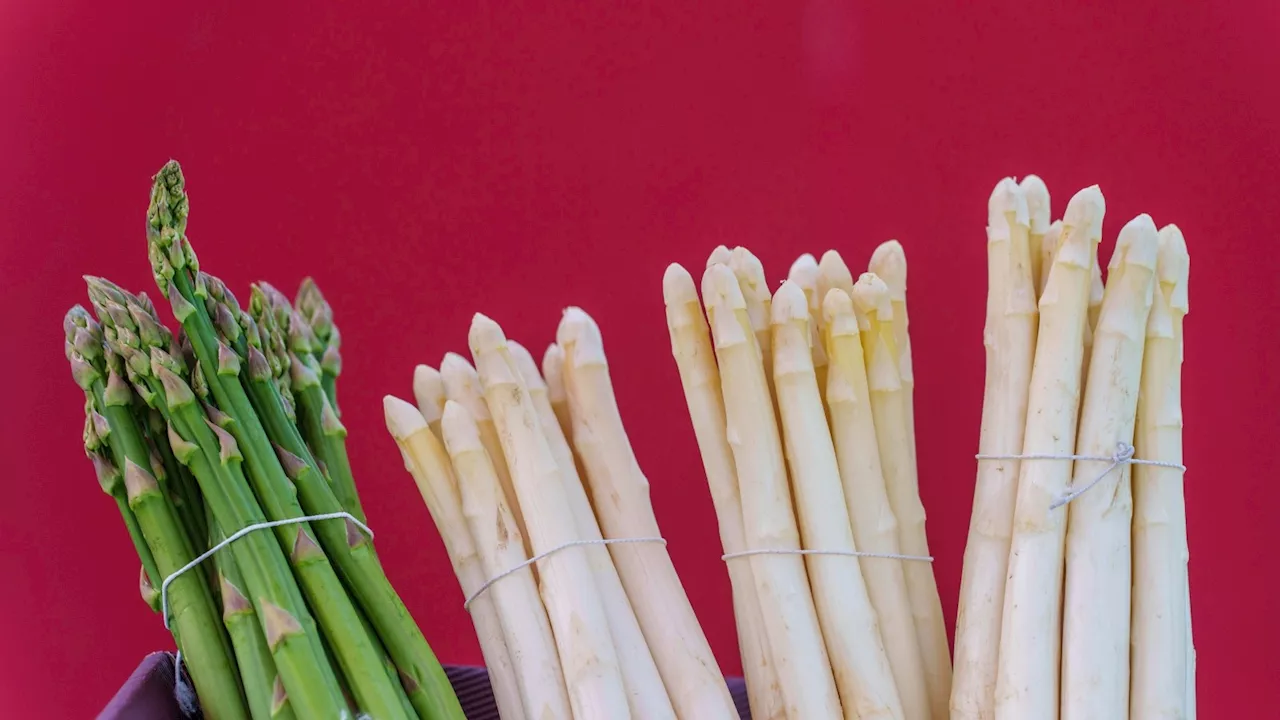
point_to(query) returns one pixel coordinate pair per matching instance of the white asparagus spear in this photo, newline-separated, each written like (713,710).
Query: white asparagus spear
(1010,339)
(889,402)
(428,390)
(875,529)
(719,256)
(553,374)
(755,291)
(691,347)
(889,263)
(1030,626)
(1048,248)
(645,691)
(462,385)
(693,680)
(426,461)
(569,592)
(1095,309)
(1037,194)
(804,273)
(791,622)
(833,273)
(1160,636)
(492,526)
(863,677)
(1098,585)
(1191,662)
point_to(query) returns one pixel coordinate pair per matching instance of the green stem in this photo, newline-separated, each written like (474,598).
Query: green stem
(178,483)
(326,437)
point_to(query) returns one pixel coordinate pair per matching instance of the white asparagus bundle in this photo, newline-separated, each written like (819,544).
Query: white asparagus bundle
(791,622)
(863,677)
(1030,628)
(645,691)
(462,385)
(700,378)
(426,461)
(873,303)
(524,619)
(567,585)
(875,529)
(1010,339)
(1095,629)
(621,493)
(1161,629)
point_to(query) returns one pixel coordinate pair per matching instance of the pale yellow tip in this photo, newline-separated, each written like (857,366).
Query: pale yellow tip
(527,367)
(833,269)
(789,303)
(455,364)
(1007,197)
(459,429)
(836,304)
(677,286)
(579,337)
(1086,210)
(804,271)
(889,263)
(1174,265)
(428,390)
(750,273)
(1037,195)
(402,418)
(485,335)
(1138,243)
(720,289)
(719,256)
(553,372)
(871,296)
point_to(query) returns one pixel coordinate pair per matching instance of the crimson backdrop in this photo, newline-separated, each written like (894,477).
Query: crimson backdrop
(428,162)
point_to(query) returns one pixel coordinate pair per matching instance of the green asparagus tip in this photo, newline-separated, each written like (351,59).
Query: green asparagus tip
(167,214)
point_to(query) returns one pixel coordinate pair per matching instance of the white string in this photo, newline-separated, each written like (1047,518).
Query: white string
(179,690)
(1122,456)
(466,604)
(842,553)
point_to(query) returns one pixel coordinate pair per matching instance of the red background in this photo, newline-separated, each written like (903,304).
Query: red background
(516,157)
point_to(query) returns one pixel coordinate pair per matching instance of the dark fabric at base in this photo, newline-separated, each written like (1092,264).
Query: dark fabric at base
(148,693)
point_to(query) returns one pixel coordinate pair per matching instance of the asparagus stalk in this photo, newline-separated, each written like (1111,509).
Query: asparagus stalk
(791,621)
(428,390)
(1010,339)
(622,504)
(524,619)
(863,676)
(647,697)
(192,615)
(875,529)
(426,461)
(319,316)
(569,591)
(889,403)
(1096,614)
(553,374)
(804,273)
(1048,249)
(189,290)
(691,347)
(1038,209)
(719,256)
(1030,628)
(1160,672)
(889,263)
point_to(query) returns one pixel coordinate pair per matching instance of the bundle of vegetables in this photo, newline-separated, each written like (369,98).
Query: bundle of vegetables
(1074,598)
(806,394)
(525,473)
(230,424)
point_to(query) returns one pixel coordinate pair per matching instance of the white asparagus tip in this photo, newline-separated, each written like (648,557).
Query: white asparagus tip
(485,335)
(428,390)
(461,434)
(462,383)
(1174,265)
(553,373)
(719,256)
(1085,210)
(1007,197)
(1037,194)
(579,337)
(1138,244)
(889,262)
(804,271)
(527,367)
(677,286)
(871,295)
(748,268)
(402,418)
(835,270)
(789,303)
(835,306)
(720,289)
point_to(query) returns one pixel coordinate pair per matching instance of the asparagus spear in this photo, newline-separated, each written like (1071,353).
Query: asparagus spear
(804,273)
(428,391)
(213,456)
(209,327)
(319,316)
(193,616)
(1038,214)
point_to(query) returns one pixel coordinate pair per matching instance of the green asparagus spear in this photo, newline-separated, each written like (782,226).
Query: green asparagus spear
(192,616)
(174,266)
(319,316)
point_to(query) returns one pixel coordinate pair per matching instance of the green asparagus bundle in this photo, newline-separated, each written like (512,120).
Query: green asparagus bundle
(230,429)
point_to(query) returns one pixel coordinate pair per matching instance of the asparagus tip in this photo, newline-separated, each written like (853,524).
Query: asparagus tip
(462,382)
(1138,244)
(719,256)
(402,418)
(834,271)
(579,336)
(485,335)
(837,304)
(1037,194)
(889,262)
(871,296)
(553,372)
(459,429)
(677,286)
(527,368)
(1174,265)
(789,303)
(749,271)
(804,271)
(428,390)
(1085,211)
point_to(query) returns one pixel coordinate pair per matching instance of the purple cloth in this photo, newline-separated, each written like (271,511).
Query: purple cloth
(148,693)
